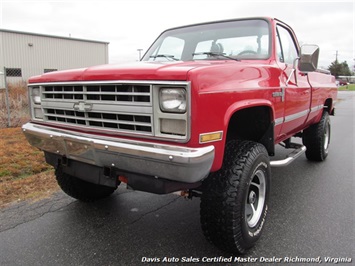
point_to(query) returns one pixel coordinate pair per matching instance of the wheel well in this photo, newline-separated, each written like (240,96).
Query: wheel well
(253,124)
(328,106)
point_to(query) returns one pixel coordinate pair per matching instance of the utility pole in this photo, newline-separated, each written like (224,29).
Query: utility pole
(336,56)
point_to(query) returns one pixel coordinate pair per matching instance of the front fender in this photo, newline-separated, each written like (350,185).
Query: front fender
(237,106)
(233,109)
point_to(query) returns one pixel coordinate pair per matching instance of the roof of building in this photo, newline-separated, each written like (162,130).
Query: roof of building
(51,36)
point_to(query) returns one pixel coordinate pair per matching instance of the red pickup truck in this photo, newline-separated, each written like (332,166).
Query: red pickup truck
(199,115)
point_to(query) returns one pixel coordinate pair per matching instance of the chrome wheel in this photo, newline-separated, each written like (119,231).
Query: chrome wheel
(255,202)
(234,199)
(326,136)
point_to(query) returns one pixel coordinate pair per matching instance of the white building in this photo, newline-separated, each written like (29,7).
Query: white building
(24,54)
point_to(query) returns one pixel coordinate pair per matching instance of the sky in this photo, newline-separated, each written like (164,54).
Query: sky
(129,25)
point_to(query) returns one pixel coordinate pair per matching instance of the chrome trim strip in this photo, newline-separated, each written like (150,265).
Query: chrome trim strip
(171,162)
(295,116)
(317,108)
(279,121)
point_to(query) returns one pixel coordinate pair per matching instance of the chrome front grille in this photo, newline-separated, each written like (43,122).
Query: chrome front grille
(123,108)
(124,122)
(115,92)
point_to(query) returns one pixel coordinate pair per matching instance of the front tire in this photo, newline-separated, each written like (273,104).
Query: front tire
(80,189)
(316,138)
(234,199)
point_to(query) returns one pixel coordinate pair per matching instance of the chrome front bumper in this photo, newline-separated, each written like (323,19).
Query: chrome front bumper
(188,165)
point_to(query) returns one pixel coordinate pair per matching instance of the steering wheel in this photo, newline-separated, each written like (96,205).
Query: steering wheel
(247,52)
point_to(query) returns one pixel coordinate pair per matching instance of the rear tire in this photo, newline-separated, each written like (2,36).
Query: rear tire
(234,199)
(316,138)
(80,189)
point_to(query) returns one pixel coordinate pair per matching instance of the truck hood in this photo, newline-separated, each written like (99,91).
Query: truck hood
(176,71)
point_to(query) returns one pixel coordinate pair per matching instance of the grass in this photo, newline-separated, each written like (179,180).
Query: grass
(18,105)
(350,87)
(24,173)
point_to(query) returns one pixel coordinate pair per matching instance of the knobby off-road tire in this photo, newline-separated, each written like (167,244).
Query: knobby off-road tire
(234,199)
(316,138)
(80,189)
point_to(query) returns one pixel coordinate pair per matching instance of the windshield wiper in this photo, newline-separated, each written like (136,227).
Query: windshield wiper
(168,56)
(216,54)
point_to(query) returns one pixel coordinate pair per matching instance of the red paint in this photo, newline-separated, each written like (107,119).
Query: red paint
(222,87)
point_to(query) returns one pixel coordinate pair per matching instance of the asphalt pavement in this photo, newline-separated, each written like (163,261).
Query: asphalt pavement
(311,218)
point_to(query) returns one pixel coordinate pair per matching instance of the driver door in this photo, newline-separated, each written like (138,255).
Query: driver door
(297,91)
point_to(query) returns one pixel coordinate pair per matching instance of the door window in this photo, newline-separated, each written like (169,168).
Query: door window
(286,49)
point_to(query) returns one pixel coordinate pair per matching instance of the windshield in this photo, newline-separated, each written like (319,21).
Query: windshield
(243,39)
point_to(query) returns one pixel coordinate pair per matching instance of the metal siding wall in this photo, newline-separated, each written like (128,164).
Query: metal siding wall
(48,53)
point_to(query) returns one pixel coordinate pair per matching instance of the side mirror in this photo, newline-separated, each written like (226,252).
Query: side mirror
(308,58)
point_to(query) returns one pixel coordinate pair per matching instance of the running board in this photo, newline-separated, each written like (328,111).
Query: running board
(299,150)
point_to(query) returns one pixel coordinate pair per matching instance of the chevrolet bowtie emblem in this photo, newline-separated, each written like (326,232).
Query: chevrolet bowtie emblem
(82,107)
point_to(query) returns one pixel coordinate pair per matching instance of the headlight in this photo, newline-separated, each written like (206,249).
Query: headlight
(173,100)
(36,95)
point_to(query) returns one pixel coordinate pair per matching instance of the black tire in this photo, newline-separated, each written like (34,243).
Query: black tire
(316,138)
(243,181)
(80,189)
